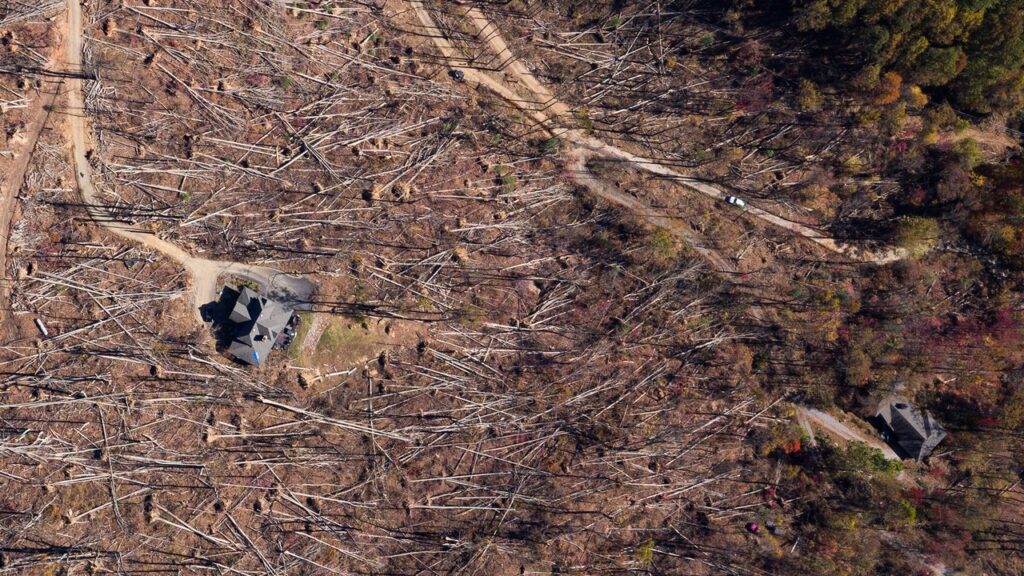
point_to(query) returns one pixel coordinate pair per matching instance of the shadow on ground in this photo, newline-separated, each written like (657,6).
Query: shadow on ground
(216,314)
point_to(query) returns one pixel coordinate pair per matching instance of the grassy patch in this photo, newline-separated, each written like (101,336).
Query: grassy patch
(243,283)
(333,338)
(344,342)
(663,244)
(305,323)
(506,178)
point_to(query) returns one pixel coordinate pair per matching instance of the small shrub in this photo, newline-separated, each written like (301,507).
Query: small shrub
(809,96)
(663,245)
(585,122)
(862,458)
(916,98)
(507,179)
(645,553)
(917,235)
(969,152)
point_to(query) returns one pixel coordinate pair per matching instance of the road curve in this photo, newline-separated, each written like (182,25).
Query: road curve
(544,109)
(204,273)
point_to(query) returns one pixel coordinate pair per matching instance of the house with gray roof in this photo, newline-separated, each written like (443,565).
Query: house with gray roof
(907,429)
(258,321)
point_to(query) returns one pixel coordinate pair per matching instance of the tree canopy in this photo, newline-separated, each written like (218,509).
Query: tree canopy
(974,49)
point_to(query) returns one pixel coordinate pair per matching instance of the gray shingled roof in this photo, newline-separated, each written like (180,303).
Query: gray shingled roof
(258,322)
(913,431)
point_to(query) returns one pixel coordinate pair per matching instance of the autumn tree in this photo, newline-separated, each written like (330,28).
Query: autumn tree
(972,49)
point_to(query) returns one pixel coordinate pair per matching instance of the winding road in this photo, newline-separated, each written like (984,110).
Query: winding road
(541,105)
(204,273)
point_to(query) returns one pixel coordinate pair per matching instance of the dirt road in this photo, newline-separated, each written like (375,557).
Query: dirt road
(538,109)
(582,175)
(204,273)
(538,102)
(809,417)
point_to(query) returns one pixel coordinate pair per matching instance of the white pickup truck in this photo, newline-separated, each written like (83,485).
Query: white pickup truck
(739,202)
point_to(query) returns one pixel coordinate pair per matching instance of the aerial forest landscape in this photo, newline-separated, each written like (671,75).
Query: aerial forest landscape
(512,287)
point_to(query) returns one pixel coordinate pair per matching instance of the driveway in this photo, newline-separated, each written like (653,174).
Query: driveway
(810,417)
(204,273)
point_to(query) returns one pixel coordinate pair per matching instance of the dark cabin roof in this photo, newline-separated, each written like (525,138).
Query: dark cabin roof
(914,432)
(258,322)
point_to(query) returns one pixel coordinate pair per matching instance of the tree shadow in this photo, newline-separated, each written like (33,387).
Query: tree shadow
(860,229)
(216,315)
